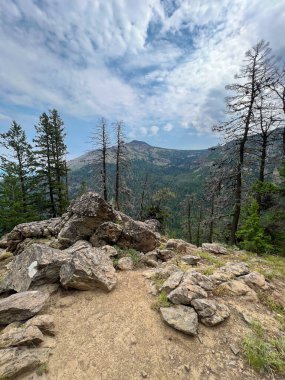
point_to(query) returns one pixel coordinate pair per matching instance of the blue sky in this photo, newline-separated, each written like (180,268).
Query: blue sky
(161,66)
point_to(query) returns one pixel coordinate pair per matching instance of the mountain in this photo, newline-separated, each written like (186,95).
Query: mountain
(182,171)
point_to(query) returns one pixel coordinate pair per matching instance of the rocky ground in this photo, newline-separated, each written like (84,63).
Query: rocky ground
(163,310)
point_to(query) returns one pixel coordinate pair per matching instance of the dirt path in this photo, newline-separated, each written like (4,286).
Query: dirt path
(117,336)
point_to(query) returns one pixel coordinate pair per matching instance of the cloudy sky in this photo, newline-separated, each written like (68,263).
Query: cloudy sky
(161,66)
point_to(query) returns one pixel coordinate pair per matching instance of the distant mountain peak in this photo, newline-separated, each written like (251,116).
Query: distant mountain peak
(139,143)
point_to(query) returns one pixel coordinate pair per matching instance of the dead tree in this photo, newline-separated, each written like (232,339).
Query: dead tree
(240,106)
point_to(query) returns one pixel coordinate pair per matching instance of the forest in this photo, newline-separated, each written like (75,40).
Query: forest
(240,199)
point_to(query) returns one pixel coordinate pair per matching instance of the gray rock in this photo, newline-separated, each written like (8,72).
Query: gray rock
(215,248)
(137,235)
(153,224)
(125,263)
(15,361)
(21,306)
(165,254)
(229,271)
(204,307)
(4,241)
(106,233)
(185,293)
(88,269)
(86,214)
(38,264)
(190,259)
(109,250)
(43,322)
(181,246)
(21,336)
(172,282)
(198,278)
(255,281)
(181,318)
(221,314)
(152,255)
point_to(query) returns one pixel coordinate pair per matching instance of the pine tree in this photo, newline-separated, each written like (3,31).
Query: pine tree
(51,158)
(18,193)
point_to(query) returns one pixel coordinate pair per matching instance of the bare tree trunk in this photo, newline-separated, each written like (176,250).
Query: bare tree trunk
(189,229)
(212,219)
(142,197)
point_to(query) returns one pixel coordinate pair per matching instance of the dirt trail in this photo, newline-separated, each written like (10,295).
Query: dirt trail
(117,336)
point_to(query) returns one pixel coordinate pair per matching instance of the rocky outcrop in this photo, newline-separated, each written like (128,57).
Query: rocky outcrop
(181,318)
(215,248)
(89,268)
(106,233)
(255,281)
(165,254)
(21,336)
(15,361)
(229,271)
(21,306)
(185,293)
(86,214)
(180,246)
(153,224)
(38,264)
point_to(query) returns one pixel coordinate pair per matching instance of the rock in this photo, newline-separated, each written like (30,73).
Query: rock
(106,233)
(152,255)
(151,263)
(165,254)
(221,314)
(185,293)
(109,251)
(21,306)
(215,248)
(86,214)
(88,269)
(204,307)
(153,224)
(4,254)
(40,229)
(4,241)
(180,246)
(229,271)
(181,318)
(125,263)
(43,322)
(234,288)
(137,235)
(38,264)
(172,282)
(191,260)
(15,361)
(247,318)
(50,289)
(21,336)
(255,281)
(234,348)
(198,278)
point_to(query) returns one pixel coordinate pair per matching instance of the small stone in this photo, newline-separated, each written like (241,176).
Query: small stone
(247,318)
(235,349)
(143,374)
(187,367)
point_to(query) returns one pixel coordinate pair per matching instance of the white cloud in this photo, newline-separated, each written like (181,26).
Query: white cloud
(154,130)
(168,127)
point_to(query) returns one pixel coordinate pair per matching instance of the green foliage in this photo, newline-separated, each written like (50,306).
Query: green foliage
(158,208)
(42,369)
(128,252)
(264,353)
(251,233)
(161,301)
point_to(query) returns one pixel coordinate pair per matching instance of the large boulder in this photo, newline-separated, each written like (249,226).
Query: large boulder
(106,233)
(38,264)
(181,318)
(137,235)
(15,361)
(89,268)
(21,336)
(21,306)
(215,248)
(40,229)
(181,246)
(86,214)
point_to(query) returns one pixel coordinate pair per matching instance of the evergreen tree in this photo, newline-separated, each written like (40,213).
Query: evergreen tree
(18,193)
(51,159)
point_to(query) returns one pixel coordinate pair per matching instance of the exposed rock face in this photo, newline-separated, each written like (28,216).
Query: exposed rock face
(125,263)
(38,264)
(43,322)
(215,248)
(89,268)
(255,281)
(21,336)
(190,259)
(106,233)
(229,271)
(153,224)
(4,242)
(165,254)
(197,278)
(14,361)
(180,246)
(211,312)
(172,282)
(21,306)
(181,318)
(86,214)
(137,235)
(41,229)
(235,288)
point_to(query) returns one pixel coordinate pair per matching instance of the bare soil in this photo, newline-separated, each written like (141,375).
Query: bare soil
(118,336)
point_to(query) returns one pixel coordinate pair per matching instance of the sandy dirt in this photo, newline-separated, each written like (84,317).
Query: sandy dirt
(117,336)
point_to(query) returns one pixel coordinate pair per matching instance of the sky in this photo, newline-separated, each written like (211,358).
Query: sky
(160,66)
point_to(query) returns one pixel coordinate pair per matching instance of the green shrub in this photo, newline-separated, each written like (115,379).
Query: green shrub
(161,301)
